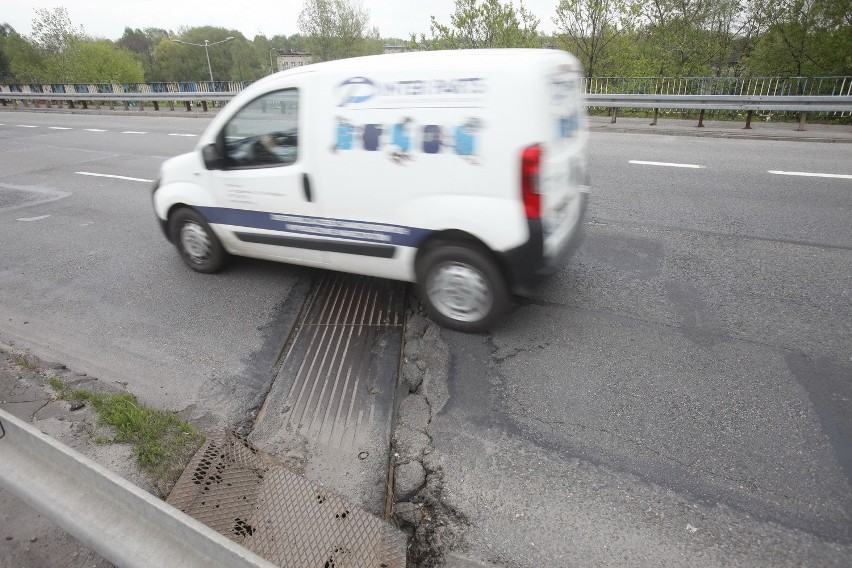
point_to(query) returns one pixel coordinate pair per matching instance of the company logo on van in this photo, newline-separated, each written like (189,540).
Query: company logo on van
(356,90)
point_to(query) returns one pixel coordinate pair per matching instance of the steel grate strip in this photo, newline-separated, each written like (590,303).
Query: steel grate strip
(247,496)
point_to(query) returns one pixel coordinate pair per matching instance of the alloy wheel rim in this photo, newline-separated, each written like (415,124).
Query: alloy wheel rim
(459,292)
(195,242)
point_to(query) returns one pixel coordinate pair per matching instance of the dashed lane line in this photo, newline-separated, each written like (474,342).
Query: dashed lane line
(29,219)
(115,176)
(810,174)
(665,164)
(98,130)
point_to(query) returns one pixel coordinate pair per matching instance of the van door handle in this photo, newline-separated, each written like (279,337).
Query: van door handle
(306,184)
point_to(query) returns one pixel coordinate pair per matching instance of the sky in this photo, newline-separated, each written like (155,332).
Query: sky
(107,19)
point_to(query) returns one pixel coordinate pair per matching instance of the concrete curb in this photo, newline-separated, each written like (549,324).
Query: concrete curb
(732,130)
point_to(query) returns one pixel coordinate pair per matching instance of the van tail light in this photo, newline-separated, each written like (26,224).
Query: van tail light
(530,167)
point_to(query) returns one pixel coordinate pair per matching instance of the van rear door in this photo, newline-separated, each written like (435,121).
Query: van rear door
(563,159)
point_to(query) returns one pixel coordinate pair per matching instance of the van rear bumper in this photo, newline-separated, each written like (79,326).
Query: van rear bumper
(527,265)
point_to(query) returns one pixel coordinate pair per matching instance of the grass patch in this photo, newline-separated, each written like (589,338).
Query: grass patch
(24,362)
(163,443)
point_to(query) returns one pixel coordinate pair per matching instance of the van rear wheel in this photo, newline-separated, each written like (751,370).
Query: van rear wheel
(462,288)
(196,242)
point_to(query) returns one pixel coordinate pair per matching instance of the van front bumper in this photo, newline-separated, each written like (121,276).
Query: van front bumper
(527,264)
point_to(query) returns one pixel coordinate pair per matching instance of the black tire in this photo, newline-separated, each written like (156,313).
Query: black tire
(196,242)
(447,269)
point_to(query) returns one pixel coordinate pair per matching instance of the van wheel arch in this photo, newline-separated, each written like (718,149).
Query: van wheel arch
(170,213)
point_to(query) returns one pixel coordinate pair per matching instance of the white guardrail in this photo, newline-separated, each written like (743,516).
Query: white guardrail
(124,524)
(725,102)
(805,103)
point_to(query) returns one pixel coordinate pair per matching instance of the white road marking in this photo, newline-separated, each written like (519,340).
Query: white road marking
(59,128)
(114,176)
(133,132)
(39,218)
(666,164)
(94,130)
(27,126)
(192,135)
(810,174)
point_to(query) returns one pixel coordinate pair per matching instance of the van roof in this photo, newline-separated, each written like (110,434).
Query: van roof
(480,59)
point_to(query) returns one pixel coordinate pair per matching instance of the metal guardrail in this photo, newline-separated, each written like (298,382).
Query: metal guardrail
(212,96)
(717,102)
(743,86)
(108,514)
(724,102)
(122,88)
(772,94)
(807,103)
(749,94)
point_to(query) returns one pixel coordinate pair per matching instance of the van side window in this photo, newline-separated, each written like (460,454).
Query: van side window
(264,133)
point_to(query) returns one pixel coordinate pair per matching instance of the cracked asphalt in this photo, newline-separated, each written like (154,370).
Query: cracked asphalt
(677,395)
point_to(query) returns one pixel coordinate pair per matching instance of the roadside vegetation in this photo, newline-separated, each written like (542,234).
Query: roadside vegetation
(612,38)
(163,443)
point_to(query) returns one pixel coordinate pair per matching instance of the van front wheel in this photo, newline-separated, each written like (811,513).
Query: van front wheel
(196,242)
(462,288)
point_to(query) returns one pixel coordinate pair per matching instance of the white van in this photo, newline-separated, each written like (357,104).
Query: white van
(461,171)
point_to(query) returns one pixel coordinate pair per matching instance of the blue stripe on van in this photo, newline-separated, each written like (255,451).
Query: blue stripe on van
(361,231)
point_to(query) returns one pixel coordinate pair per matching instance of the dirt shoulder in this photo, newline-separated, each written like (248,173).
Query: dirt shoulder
(27,538)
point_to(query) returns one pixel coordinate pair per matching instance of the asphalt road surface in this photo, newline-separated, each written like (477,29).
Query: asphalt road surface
(678,394)
(89,279)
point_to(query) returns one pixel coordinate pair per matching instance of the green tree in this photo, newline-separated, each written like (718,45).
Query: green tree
(588,28)
(53,30)
(478,24)
(26,62)
(5,65)
(100,61)
(296,42)
(141,43)
(676,35)
(55,36)
(804,37)
(234,60)
(334,29)
(171,64)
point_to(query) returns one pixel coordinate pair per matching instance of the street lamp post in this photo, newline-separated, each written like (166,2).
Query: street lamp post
(271,66)
(206,45)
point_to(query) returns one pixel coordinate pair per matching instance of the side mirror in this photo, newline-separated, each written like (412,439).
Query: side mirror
(212,159)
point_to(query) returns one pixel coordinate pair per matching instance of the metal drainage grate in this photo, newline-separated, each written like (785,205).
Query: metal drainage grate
(332,400)
(245,495)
